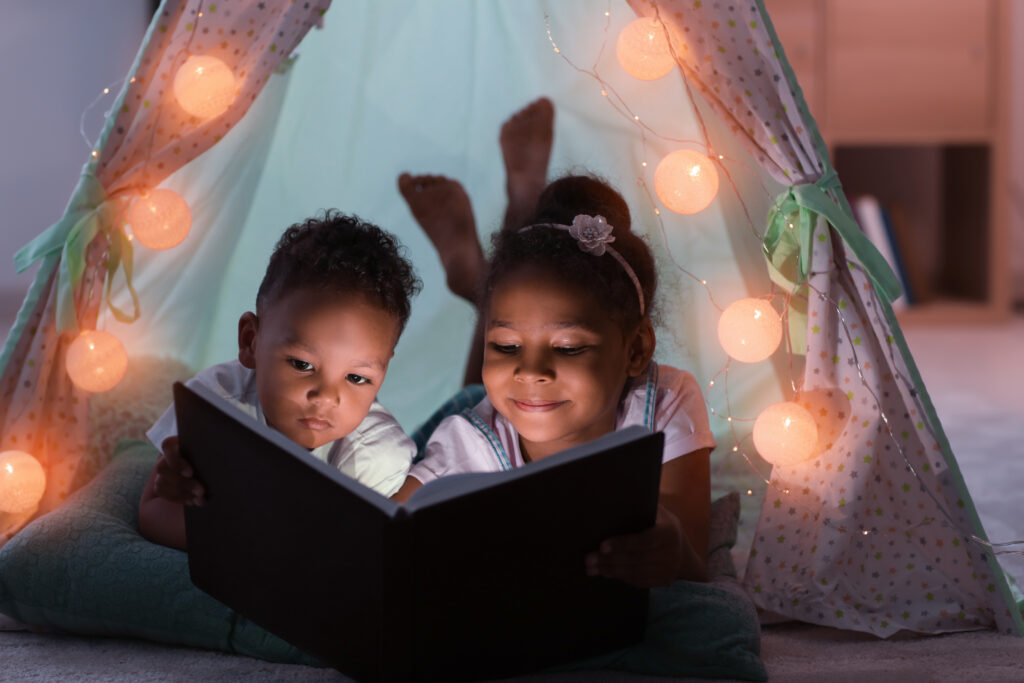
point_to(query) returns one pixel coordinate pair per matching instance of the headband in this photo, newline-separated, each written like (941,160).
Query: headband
(594,235)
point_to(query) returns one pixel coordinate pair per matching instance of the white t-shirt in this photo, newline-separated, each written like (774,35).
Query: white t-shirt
(377,453)
(481,440)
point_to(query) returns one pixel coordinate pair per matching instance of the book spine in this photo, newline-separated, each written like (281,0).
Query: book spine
(398,582)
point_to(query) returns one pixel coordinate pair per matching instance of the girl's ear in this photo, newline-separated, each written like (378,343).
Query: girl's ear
(641,348)
(248,326)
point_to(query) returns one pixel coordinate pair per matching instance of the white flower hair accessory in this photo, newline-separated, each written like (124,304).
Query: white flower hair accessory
(593,234)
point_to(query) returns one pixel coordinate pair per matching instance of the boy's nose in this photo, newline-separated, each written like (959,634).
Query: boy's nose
(324,394)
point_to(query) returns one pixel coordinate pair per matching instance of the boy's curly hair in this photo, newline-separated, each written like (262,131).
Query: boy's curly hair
(345,254)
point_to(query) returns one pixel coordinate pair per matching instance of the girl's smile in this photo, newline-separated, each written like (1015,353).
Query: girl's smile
(537,405)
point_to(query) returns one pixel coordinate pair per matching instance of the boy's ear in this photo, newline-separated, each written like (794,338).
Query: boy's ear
(641,348)
(248,326)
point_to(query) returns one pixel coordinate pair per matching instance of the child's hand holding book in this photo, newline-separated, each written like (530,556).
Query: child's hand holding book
(175,480)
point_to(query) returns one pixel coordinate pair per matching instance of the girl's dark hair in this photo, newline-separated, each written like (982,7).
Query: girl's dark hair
(558,252)
(342,254)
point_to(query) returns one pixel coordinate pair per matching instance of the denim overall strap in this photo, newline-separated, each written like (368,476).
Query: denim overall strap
(649,396)
(492,438)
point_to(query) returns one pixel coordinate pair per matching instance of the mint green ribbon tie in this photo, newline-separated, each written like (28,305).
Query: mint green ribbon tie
(791,224)
(90,213)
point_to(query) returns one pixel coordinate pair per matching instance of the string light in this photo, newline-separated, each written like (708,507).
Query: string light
(643,50)
(204,86)
(785,434)
(750,330)
(686,181)
(22,482)
(160,219)
(96,361)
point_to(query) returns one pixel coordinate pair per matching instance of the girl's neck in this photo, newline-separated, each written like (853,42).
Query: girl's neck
(532,451)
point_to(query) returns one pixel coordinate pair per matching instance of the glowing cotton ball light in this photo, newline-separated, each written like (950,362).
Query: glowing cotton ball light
(22,482)
(160,219)
(750,330)
(686,181)
(204,86)
(96,361)
(785,434)
(643,50)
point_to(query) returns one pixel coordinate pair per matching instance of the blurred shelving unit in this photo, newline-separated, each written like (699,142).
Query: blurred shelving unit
(912,99)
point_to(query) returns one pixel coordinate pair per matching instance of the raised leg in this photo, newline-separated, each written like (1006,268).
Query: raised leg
(441,206)
(526,139)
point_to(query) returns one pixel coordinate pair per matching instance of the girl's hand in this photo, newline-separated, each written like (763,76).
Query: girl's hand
(174,479)
(653,557)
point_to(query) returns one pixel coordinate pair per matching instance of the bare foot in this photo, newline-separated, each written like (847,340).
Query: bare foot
(526,145)
(442,209)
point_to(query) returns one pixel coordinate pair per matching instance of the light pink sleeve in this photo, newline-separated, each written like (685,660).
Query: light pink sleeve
(680,412)
(455,447)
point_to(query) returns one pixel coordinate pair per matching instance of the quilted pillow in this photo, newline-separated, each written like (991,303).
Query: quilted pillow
(84,568)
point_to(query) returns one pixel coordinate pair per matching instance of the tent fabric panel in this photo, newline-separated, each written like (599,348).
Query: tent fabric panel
(141,144)
(178,287)
(851,538)
(152,135)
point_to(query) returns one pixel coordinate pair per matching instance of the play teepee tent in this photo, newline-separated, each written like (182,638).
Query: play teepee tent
(875,531)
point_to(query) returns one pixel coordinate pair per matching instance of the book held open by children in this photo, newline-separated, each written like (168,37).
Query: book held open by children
(476,576)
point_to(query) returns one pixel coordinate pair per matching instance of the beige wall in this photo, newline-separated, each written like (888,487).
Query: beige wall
(1017,147)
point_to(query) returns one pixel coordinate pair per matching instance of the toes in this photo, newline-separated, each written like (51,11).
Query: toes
(542,107)
(410,184)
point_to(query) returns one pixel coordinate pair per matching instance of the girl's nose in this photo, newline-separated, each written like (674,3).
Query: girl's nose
(534,367)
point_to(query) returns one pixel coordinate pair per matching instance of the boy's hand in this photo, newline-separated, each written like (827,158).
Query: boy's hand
(653,557)
(174,477)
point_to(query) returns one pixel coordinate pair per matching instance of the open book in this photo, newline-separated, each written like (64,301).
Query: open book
(476,576)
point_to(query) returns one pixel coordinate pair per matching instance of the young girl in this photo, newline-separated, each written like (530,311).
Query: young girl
(568,346)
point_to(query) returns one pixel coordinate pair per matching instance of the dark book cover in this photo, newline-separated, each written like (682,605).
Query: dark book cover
(476,576)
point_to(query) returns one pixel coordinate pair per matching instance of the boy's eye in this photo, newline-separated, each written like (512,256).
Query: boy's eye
(505,348)
(300,365)
(570,350)
(356,379)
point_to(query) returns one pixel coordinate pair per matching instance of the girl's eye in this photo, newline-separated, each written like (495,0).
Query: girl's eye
(301,365)
(356,379)
(505,348)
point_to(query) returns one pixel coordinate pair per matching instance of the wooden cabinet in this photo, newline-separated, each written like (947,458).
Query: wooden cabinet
(911,98)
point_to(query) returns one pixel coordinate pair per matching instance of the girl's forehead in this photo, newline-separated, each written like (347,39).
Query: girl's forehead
(540,300)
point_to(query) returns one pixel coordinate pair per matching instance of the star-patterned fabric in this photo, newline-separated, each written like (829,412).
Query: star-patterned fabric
(872,534)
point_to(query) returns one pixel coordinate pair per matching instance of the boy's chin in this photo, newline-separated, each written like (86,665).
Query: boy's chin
(310,442)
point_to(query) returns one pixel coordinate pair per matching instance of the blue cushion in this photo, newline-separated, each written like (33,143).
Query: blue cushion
(84,568)
(705,630)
